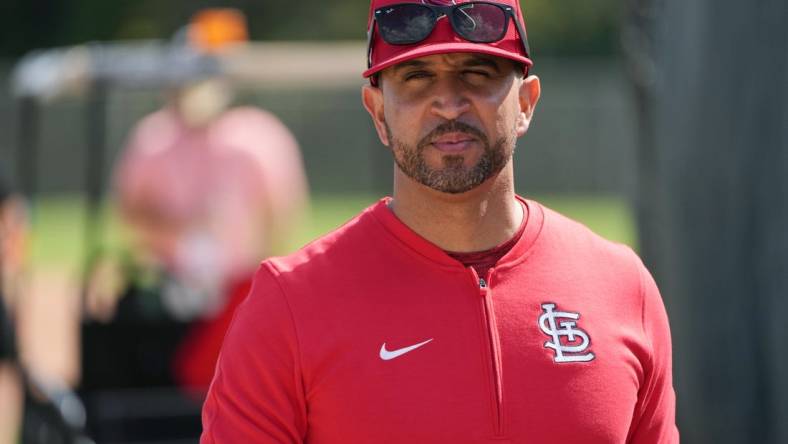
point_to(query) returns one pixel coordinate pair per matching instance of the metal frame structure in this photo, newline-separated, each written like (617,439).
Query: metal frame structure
(93,71)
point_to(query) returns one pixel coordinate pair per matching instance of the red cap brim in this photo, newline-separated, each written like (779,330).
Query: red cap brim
(445,48)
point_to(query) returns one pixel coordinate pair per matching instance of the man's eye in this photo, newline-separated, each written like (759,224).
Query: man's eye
(477,74)
(416,75)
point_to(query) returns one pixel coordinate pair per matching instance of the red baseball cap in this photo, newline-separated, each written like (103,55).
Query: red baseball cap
(444,40)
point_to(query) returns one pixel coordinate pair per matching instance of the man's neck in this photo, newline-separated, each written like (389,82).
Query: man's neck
(477,220)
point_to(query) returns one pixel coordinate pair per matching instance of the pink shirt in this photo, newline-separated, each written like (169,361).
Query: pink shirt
(214,192)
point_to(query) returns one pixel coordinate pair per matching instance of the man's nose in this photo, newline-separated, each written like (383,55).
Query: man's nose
(450,99)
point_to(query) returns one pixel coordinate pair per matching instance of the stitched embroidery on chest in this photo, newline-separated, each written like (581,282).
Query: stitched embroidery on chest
(569,342)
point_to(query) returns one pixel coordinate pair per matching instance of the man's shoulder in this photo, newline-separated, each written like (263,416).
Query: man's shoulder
(569,236)
(154,134)
(334,251)
(248,114)
(248,122)
(162,120)
(611,271)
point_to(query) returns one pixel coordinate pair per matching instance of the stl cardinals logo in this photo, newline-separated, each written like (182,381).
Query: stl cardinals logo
(576,341)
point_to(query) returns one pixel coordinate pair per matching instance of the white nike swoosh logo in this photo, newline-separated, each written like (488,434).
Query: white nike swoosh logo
(387,355)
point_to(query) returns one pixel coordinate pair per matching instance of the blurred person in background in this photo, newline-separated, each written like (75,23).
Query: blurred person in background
(32,407)
(13,234)
(455,310)
(206,190)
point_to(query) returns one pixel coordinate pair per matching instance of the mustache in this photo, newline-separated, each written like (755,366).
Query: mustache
(452,126)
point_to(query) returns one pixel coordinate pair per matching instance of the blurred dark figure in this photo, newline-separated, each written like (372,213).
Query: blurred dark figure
(33,410)
(10,383)
(11,240)
(711,79)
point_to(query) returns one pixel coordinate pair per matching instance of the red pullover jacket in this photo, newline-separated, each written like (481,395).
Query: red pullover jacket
(374,335)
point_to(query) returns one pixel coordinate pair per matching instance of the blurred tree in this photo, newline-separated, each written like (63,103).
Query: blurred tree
(29,24)
(573,27)
(566,27)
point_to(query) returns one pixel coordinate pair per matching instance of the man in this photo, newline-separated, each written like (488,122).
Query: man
(206,189)
(454,311)
(13,234)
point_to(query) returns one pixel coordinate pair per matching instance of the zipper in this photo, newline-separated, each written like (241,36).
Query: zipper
(494,346)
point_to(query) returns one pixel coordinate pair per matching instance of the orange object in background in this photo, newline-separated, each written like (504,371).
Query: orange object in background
(214,29)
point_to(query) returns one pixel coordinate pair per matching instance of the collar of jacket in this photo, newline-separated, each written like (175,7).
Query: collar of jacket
(422,247)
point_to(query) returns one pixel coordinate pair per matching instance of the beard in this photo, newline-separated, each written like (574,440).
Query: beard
(453,177)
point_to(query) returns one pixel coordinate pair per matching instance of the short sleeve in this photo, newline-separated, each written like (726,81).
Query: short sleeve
(654,421)
(257,392)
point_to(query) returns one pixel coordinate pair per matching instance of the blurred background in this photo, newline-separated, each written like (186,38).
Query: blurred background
(662,125)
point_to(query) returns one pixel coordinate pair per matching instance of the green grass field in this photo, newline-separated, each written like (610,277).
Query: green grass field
(59,222)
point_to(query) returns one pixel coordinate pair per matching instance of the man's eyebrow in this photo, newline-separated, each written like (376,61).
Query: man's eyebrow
(410,64)
(482,61)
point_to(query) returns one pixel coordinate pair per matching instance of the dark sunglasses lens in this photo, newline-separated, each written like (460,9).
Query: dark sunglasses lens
(405,24)
(479,22)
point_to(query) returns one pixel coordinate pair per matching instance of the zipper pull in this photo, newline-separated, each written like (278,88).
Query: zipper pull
(482,287)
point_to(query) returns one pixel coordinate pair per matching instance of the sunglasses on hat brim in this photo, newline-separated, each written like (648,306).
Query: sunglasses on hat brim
(410,23)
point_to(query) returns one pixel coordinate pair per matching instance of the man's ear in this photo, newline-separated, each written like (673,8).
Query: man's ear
(529,93)
(372,97)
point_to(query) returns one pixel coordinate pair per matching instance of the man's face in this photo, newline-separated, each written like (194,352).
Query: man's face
(451,120)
